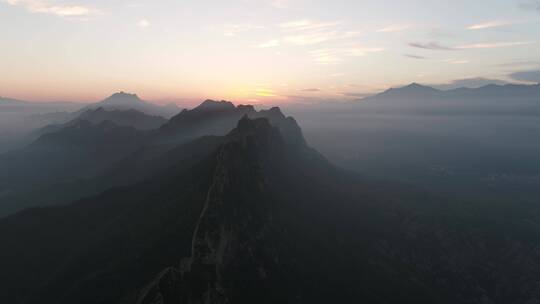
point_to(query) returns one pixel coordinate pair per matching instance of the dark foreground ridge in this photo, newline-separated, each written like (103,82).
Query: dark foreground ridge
(257,216)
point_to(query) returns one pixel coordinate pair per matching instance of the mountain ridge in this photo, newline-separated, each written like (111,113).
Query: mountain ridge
(261,219)
(415,90)
(125,101)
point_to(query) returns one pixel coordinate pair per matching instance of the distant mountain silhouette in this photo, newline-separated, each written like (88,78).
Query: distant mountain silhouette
(4,101)
(218,118)
(76,163)
(122,99)
(77,150)
(36,107)
(417,91)
(126,118)
(262,219)
(488,99)
(413,90)
(126,101)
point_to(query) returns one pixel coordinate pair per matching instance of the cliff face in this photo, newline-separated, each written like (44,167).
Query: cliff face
(231,248)
(280,225)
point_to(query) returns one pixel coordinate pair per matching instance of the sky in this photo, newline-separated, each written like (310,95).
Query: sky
(261,51)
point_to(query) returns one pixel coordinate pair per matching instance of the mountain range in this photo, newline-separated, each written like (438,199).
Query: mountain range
(489,99)
(21,121)
(256,215)
(227,204)
(127,101)
(418,91)
(100,148)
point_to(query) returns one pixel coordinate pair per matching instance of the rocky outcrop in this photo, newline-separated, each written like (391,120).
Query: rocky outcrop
(220,117)
(227,249)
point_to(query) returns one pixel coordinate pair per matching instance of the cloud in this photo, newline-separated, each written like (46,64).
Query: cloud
(487,25)
(483,45)
(528,76)
(394,28)
(232,30)
(307,39)
(474,82)
(491,45)
(430,46)
(143,23)
(264,92)
(305,24)
(456,61)
(306,32)
(519,63)
(318,37)
(415,56)
(279,4)
(268,44)
(337,54)
(356,94)
(531,5)
(311,90)
(338,41)
(61,10)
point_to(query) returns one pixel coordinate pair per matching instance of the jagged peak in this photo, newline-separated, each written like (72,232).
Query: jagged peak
(255,129)
(248,108)
(124,95)
(213,105)
(287,130)
(248,126)
(122,98)
(273,113)
(417,87)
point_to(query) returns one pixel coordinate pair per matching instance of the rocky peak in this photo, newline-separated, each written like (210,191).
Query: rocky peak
(246,108)
(257,134)
(122,99)
(212,105)
(274,114)
(234,204)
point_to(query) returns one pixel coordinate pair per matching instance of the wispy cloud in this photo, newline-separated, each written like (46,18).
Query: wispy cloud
(456,61)
(264,92)
(338,41)
(143,23)
(518,63)
(232,30)
(61,10)
(491,45)
(268,44)
(356,94)
(305,24)
(311,90)
(415,56)
(279,3)
(318,37)
(337,54)
(431,46)
(472,82)
(307,32)
(394,28)
(488,24)
(528,76)
(531,5)
(483,45)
